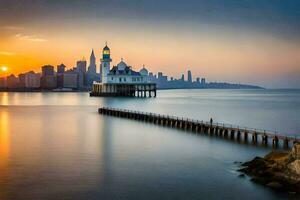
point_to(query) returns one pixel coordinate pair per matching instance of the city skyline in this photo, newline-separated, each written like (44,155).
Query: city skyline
(248,41)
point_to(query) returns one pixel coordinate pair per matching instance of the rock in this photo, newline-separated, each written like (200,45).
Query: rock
(279,170)
(295,166)
(274,185)
(295,153)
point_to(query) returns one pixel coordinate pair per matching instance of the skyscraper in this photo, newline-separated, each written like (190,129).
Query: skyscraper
(81,70)
(182,77)
(47,70)
(190,76)
(61,68)
(91,75)
(92,66)
(60,75)
(48,79)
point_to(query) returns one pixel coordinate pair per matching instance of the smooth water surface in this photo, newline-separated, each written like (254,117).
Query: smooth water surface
(56,145)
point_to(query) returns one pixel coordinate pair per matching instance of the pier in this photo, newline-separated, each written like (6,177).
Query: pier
(126,90)
(199,127)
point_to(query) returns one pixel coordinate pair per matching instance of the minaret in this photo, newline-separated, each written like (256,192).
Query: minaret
(105,63)
(92,66)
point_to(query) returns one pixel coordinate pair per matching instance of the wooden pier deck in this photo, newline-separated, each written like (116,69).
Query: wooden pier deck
(223,130)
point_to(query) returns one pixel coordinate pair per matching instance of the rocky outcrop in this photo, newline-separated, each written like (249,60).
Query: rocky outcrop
(277,170)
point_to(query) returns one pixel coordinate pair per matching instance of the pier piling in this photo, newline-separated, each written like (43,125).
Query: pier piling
(201,127)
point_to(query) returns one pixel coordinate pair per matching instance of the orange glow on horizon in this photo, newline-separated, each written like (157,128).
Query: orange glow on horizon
(219,57)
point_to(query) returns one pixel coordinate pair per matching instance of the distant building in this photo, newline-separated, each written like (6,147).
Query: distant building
(203,81)
(70,80)
(47,70)
(3,82)
(48,79)
(21,81)
(32,80)
(91,74)
(12,81)
(81,70)
(182,77)
(92,66)
(60,74)
(61,68)
(190,80)
(198,80)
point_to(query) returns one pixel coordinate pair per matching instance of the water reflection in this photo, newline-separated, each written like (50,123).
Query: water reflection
(4,139)
(4,150)
(53,149)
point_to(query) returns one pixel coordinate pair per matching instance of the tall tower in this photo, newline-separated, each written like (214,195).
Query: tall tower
(105,63)
(190,76)
(92,66)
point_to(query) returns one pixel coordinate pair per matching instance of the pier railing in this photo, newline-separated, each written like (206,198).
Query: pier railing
(221,129)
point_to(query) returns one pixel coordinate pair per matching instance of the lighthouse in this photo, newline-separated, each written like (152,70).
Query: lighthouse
(105,63)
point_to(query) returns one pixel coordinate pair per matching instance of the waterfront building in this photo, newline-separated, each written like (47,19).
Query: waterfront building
(32,80)
(70,79)
(48,79)
(81,70)
(3,82)
(47,70)
(21,80)
(190,80)
(203,81)
(12,81)
(122,73)
(61,68)
(121,80)
(60,75)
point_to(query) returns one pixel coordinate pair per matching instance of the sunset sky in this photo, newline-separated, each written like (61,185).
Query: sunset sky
(247,41)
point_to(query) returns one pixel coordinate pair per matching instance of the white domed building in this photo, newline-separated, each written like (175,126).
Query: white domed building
(122,73)
(122,80)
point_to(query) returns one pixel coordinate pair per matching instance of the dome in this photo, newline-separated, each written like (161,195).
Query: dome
(122,65)
(144,71)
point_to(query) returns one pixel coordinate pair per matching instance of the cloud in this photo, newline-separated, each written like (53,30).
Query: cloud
(32,38)
(12,28)
(6,53)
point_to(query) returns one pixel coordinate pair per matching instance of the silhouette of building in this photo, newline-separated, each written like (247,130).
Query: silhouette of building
(3,82)
(21,80)
(70,80)
(12,81)
(190,80)
(30,80)
(92,66)
(203,81)
(81,70)
(92,75)
(48,79)
(61,68)
(60,75)
(182,77)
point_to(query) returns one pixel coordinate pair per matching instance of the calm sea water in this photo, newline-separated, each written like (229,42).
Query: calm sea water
(56,145)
